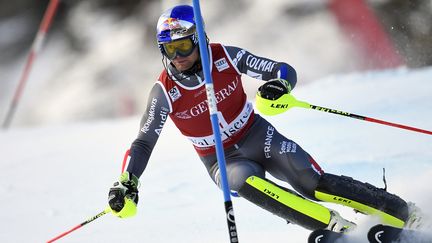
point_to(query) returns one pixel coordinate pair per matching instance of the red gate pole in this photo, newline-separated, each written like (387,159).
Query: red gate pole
(36,46)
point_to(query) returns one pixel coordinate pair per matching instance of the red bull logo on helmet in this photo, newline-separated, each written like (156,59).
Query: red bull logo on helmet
(173,28)
(171,24)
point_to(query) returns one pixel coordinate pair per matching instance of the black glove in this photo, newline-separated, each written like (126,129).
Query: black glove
(274,89)
(123,196)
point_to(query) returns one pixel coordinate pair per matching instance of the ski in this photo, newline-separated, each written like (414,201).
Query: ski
(325,236)
(377,234)
(387,234)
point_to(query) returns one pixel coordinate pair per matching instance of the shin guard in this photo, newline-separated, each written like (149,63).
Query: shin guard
(285,203)
(363,197)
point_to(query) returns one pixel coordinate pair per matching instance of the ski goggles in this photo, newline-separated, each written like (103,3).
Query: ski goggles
(183,47)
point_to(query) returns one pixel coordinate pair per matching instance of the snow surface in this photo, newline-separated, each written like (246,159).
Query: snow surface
(55,177)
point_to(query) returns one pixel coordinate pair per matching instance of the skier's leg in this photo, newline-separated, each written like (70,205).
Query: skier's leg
(292,164)
(290,206)
(253,155)
(299,169)
(287,161)
(247,178)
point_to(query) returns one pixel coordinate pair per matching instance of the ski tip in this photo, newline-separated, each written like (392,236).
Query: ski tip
(323,236)
(385,233)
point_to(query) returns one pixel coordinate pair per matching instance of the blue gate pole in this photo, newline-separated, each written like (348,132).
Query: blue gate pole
(211,98)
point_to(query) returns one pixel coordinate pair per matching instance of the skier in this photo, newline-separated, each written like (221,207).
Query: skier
(251,144)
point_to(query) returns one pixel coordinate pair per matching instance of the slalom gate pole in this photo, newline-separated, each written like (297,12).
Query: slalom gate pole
(107,210)
(293,102)
(211,98)
(36,46)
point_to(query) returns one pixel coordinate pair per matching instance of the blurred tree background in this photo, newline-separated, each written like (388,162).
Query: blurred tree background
(409,23)
(100,56)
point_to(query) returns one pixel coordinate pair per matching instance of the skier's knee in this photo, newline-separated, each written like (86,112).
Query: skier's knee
(306,183)
(237,173)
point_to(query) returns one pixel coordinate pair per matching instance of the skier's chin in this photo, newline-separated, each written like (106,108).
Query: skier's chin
(182,64)
(183,67)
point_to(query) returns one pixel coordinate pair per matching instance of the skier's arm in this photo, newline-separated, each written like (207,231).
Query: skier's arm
(123,195)
(260,67)
(151,125)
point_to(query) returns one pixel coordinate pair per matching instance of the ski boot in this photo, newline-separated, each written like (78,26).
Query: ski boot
(339,224)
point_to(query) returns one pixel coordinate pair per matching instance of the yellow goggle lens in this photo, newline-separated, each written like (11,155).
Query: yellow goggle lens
(182,47)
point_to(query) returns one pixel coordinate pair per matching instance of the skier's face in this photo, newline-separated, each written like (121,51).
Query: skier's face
(184,63)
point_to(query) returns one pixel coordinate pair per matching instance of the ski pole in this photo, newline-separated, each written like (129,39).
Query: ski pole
(293,102)
(36,46)
(125,160)
(232,230)
(107,210)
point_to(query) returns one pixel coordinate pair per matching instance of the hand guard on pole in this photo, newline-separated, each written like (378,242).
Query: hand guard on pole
(273,97)
(123,196)
(274,89)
